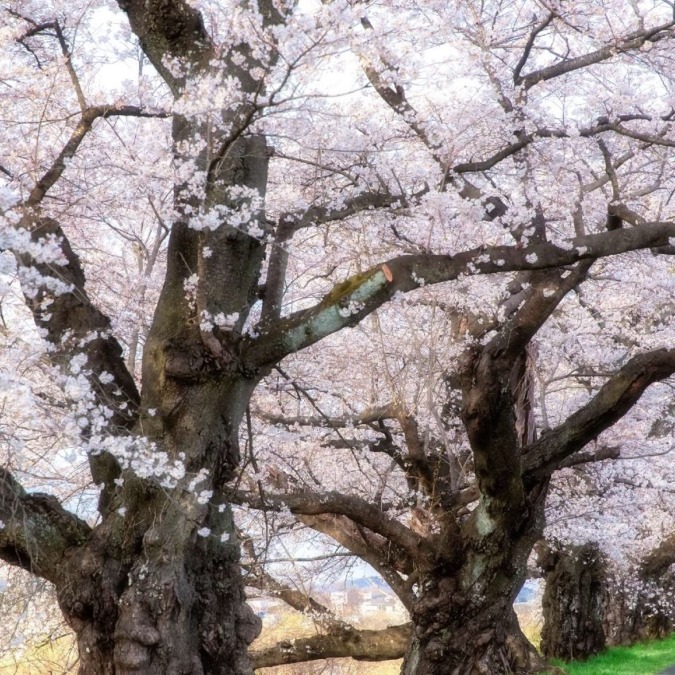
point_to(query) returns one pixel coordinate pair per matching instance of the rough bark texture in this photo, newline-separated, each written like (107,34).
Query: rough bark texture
(148,594)
(463,569)
(478,641)
(644,610)
(464,622)
(361,645)
(574,602)
(155,587)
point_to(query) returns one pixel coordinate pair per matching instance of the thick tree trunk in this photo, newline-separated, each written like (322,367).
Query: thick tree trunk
(166,616)
(170,610)
(157,588)
(459,640)
(643,614)
(574,603)
(464,623)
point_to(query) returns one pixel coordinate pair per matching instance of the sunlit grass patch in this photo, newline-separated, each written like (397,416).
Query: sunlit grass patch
(645,658)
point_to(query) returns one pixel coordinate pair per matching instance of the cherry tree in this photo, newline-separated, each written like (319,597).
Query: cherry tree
(610,546)
(273,173)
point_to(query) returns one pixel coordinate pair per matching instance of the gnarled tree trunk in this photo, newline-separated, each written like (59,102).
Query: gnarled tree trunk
(157,588)
(464,623)
(575,601)
(456,639)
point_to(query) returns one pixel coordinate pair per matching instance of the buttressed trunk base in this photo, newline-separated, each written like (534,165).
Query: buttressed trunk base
(166,611)
(455,638)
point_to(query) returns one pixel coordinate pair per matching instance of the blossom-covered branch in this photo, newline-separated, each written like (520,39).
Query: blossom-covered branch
(348,303)
(74,325)
(81,337)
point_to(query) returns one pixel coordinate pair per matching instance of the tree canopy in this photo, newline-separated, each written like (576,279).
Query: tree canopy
(397,273)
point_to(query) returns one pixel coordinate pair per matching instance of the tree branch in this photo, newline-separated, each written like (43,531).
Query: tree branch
(489,394)
(629,43)
(387,560)
(35,529)
(368,416)
(74,325)
(366,201)
(70,148)
(615,398)
(299,601)
(349,302)
(361,645)
(356,509)
(599,455)
(528,47)
(290,223)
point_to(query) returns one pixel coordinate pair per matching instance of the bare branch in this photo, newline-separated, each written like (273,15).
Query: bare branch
(361,645)
(602,453)
(388,560)
(356,509)
(528,47)
(301,602)
(629,43)
(70,148)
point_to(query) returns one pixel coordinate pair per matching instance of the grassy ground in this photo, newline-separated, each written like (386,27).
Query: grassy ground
(642,659)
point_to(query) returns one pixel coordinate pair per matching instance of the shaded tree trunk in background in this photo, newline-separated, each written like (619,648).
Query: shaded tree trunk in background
(574,603)
(644,610)
(587,607)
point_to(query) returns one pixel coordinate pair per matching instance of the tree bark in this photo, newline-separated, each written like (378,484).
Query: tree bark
(646,613)
(587,607)
(464,623)
(458,635)
(361,645)
(148,593)
(574,602)
(155,587)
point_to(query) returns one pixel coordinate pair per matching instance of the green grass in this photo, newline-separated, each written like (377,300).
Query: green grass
(646,658)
